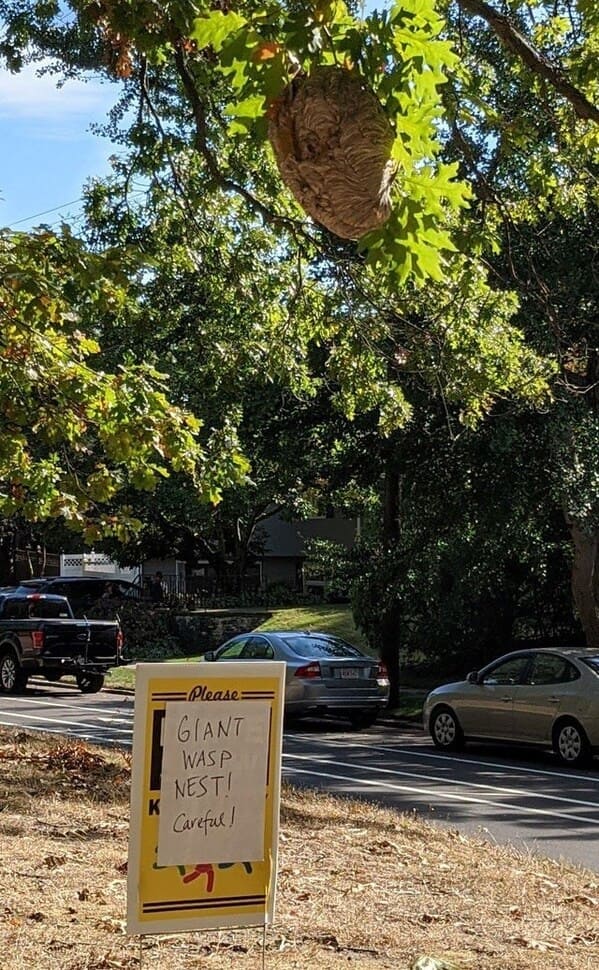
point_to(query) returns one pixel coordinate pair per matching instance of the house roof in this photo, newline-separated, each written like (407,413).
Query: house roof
(285,539)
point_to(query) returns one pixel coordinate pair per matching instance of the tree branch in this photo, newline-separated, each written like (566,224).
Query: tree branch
(203,148)
(326,245)
(513,40)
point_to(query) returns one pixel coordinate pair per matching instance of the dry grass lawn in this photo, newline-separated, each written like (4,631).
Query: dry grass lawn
(359,886)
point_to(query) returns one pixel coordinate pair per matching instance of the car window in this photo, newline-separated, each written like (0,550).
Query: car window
(41,609)
(90,590)
(61,589)
(508,672)
(79,589)
(592,662)
(34,609)
(550,669)
(232,651)
(15,610)
(309,645)
(257,648)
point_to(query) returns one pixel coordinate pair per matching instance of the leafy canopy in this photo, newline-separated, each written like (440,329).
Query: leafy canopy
(250,54)
(74,435)
(197,83)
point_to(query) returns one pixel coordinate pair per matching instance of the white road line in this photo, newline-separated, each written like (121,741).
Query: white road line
(502,766)
(47,720)
(111,727)
(128,712)
(518,792)
(435,794)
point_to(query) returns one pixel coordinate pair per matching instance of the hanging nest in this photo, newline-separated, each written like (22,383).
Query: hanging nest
(332,141)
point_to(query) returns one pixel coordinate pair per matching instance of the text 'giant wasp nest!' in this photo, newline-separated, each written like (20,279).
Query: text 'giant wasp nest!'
(332,141)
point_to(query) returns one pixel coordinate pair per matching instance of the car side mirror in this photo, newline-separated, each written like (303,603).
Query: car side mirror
(472,677)
(210,655)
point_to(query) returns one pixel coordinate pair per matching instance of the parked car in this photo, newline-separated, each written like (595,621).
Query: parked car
(40,635)
(82,591)
(547,697)
(325,675)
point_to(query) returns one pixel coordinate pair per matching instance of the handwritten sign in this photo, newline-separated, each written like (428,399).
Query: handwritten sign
(205,792)
(214,770)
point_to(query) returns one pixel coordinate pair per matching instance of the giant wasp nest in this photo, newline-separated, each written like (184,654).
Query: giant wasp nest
(332,141)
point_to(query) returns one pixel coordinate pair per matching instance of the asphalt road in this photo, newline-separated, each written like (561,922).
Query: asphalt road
(527,800)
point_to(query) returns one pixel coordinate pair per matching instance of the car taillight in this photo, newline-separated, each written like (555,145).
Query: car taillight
(382,674)
(37,639)
(309,671)
(120,640)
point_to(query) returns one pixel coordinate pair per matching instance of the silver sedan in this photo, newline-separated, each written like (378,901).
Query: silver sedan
(548,698)
(324,674)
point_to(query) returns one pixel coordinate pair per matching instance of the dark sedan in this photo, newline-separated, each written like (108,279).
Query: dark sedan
(325,675)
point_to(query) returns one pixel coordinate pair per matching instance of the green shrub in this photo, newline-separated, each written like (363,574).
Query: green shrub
(149,632)
(168,648)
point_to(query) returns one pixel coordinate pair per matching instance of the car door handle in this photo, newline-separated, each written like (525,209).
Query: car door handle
(506,700)
(554,700)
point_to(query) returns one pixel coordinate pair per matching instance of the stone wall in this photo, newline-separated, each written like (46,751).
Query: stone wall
(207,629)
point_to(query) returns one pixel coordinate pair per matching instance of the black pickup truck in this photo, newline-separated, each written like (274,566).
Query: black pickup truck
(40,635)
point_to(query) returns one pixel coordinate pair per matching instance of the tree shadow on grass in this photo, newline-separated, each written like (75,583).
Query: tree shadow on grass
(316,812)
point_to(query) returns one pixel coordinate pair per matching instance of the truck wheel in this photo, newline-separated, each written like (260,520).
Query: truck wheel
(90,683)
(13,680)
(53,675)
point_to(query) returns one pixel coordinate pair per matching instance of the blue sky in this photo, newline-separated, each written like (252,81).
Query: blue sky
(48,149)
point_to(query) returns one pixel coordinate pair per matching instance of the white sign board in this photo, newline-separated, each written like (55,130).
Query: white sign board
(214,772)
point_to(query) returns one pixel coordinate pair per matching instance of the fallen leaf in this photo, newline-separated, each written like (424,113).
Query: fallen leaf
(112,925)
(587,939)
(581,898)
(541,945)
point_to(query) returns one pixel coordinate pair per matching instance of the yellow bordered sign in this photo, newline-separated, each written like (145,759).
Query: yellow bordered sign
(207,743)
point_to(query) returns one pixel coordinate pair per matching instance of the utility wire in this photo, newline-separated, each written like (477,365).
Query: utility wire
(46,212)
(140,189)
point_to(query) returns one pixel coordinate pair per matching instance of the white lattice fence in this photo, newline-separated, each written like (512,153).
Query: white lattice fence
(94,564)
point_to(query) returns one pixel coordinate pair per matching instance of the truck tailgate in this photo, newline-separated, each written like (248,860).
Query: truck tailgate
(96,640)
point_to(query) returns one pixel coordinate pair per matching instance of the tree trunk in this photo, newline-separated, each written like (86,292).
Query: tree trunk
(585,545)
(585,581)
(389,651)
(389,623)
(391,523)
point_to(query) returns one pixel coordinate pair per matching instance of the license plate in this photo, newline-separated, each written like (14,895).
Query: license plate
(351,673)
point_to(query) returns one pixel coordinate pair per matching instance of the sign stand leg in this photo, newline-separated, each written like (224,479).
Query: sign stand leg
(141,952)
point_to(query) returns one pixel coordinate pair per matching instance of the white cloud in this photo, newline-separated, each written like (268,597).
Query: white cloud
(29,97)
